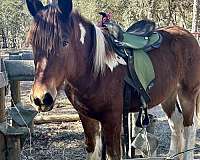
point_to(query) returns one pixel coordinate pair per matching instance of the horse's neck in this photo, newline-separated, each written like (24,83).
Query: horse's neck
(80,62)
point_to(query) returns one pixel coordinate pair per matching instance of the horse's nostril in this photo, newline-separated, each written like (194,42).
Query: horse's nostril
(37,102)
(48,99)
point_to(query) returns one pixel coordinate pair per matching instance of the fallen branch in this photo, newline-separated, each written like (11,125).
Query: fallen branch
(56,118)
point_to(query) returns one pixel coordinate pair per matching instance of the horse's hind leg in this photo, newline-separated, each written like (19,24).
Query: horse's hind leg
(175,120)
(188,104)
(93,139)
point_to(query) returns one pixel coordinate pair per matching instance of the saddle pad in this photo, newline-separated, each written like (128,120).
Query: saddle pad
(139,42)
(144,69)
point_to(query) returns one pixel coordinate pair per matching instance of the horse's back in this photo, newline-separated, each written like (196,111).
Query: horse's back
(188,52)
(176,63)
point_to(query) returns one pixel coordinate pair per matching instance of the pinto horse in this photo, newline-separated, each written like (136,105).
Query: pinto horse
(70,49)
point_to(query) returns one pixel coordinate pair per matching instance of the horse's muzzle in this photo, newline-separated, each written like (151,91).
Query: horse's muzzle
(44,104)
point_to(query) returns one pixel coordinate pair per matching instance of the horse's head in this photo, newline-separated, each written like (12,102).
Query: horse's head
(50,38)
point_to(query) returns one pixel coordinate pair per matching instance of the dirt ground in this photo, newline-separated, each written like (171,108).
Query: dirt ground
(65,141)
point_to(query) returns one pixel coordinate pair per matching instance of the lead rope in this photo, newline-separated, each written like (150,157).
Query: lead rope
(147,142)
(188,150)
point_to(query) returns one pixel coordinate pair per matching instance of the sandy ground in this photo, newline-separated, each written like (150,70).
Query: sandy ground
(65,141)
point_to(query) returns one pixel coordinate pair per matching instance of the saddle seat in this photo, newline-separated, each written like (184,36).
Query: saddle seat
(143,28)
(139,42)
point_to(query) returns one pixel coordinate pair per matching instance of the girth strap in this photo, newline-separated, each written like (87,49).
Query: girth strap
(132,83)
(127,101)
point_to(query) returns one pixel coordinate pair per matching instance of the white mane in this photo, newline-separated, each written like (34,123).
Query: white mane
(100,55)
(101,59)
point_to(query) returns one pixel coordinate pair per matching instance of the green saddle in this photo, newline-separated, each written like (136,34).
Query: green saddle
(139,42)
(140,38)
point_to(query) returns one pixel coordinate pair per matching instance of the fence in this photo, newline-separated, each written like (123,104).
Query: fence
(12,133)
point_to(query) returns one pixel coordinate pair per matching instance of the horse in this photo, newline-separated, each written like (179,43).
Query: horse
(69,49)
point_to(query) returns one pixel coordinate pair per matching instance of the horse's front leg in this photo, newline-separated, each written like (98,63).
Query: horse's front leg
(91,127)
(93,138)
(111,129)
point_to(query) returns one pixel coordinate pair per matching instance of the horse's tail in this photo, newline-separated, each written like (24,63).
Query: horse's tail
(198,110)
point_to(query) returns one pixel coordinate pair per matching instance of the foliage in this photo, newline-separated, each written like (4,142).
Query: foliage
(15,19)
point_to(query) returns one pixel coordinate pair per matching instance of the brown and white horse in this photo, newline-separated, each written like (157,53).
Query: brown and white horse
(69,49)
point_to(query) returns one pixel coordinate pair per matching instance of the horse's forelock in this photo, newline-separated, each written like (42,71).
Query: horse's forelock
(45,32)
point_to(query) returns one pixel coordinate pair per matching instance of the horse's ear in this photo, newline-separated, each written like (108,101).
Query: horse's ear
(65,7)
(34,6)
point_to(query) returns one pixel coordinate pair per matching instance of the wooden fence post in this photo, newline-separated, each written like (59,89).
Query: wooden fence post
(10,147)
(2,119)
(2,105)
(15,92)
(13,147)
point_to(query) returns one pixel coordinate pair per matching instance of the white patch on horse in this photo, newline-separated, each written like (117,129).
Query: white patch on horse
(189,137)
(101,60)
(96,155)
(176,126)
(100,55)
(114,61)
(83,33)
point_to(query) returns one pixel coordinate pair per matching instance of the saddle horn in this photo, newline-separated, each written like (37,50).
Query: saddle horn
(34,6)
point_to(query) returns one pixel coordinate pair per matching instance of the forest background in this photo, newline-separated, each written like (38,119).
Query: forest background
(15,18)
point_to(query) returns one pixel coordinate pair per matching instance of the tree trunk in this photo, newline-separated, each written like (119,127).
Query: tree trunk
(172,13)
(195,16)
(14,44)
(182,16)
(4,39)
(152,7)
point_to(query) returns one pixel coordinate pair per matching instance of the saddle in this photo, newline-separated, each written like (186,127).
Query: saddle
(140,35)
(136,42)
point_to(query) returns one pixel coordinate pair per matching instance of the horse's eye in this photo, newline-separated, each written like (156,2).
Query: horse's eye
(65,43)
